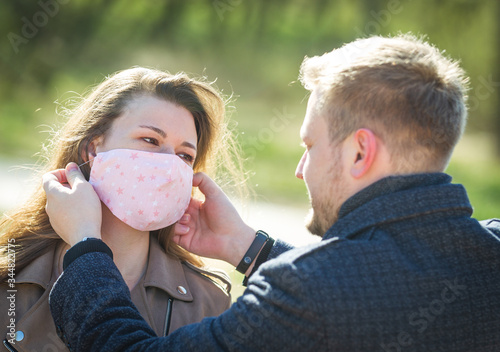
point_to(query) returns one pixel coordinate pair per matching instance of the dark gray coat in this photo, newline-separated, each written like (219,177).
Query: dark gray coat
(405,268)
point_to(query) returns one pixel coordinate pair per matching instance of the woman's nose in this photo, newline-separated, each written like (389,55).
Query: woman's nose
(168,149)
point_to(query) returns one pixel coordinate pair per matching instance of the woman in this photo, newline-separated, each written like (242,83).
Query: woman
(132,120)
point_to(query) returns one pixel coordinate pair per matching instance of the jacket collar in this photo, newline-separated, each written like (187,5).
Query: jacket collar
(166,272)
(397,198)
(40,271)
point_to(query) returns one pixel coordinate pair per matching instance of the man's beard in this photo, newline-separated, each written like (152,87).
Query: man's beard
(316,224)
(323,215)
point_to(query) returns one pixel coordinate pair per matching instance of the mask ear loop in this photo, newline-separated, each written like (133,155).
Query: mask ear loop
(80,166)
(85,163)
(87,175)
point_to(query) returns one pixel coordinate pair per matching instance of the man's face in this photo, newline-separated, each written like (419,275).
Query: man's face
(321,167)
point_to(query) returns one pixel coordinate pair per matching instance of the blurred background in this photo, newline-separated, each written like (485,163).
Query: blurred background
(253,49)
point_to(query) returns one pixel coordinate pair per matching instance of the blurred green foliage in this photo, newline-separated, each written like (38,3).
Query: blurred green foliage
(253,48)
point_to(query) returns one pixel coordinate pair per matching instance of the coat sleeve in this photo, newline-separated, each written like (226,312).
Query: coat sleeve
(279,248)
(493,226)
(92,310)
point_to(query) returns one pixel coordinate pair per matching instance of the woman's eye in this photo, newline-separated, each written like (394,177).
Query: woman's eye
(150,140)
(188,158)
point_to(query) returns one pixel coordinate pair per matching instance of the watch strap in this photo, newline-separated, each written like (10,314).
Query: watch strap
(263,255)
(260,239)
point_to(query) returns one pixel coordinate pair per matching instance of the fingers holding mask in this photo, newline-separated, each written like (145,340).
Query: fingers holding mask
(73,207)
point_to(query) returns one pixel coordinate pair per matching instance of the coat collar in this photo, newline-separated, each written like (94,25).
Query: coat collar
(166,272)
(43,270)
(397,198)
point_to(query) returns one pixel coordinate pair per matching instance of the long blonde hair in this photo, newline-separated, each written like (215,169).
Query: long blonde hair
(29,225)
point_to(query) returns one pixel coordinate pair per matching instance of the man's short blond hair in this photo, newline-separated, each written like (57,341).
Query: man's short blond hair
(402,88)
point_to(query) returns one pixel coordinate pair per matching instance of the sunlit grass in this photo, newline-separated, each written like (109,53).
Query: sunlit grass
(475,166)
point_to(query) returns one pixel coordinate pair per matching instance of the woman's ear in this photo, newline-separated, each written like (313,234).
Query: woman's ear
(365,147)
(91,150)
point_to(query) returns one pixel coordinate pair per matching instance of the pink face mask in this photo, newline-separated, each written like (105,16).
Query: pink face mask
(147,191)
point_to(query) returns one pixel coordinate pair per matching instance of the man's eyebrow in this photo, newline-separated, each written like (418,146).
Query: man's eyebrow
(164,135)
(156,129)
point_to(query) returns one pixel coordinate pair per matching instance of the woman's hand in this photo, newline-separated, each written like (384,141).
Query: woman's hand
(213,228)
(73,207)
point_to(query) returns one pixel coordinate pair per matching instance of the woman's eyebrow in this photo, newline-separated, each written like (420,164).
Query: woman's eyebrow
(156,129)
(189,145)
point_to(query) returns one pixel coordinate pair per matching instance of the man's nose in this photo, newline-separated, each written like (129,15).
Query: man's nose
(299,172)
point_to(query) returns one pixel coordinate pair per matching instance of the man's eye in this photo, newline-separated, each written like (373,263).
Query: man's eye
(150,140)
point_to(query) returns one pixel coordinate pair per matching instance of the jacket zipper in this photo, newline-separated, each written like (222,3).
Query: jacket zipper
(8,346)
(168,316)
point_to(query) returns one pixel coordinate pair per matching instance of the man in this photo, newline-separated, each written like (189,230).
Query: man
(402,266)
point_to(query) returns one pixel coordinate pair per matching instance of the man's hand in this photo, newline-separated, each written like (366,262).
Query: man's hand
(213,228)
(73,207)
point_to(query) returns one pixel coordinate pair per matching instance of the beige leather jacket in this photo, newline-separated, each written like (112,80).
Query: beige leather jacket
(170,294)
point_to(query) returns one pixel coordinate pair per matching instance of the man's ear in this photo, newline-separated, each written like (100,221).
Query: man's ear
(365,147)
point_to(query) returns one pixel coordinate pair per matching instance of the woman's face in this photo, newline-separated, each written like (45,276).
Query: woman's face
(154,125)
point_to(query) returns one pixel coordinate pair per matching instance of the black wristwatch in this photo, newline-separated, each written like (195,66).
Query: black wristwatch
(260,240)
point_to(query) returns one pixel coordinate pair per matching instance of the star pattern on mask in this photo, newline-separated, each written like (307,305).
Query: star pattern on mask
(142,189)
